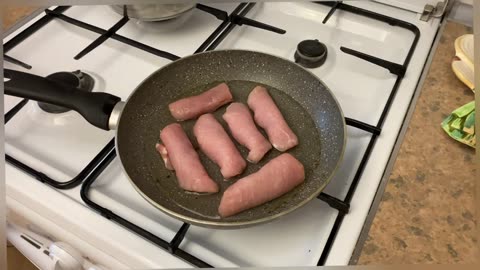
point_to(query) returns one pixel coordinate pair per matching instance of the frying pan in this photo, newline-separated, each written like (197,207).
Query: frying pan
(307,104)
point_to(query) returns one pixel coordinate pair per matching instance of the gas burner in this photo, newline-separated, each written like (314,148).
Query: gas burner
(311,53)
(78,79)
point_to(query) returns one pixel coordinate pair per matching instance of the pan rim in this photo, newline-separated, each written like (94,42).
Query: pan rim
(232,224)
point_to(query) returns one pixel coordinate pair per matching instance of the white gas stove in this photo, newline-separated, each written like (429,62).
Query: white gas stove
(60,146)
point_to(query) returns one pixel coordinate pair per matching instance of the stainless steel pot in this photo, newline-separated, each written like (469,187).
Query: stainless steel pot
(155,12)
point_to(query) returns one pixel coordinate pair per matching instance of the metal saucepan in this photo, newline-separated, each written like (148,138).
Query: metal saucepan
(307,104)
(154,12)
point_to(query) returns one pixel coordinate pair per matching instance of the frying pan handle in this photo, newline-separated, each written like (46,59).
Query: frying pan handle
(95,107)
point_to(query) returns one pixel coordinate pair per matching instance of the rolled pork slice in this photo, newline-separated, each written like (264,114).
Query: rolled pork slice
(190,172)
(162,150)
(279,176)
(194,106)
(243,129)
(217,145)
(268,116)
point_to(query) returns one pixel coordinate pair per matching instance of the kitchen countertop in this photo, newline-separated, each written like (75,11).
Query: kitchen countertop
(15,258)
(426,214)
(10,14)
(427,211)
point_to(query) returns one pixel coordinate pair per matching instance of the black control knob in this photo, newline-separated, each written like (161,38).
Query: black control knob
(311,53)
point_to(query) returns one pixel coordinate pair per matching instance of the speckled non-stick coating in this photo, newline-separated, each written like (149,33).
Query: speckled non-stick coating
(307,104)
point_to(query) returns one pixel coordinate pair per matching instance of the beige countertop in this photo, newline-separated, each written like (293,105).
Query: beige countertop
(12,14)
(15,259)
(426,214)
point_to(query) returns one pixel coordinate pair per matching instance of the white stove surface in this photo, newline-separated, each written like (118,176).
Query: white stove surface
(61,145)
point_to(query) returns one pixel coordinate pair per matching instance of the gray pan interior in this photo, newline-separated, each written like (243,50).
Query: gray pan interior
(308,106)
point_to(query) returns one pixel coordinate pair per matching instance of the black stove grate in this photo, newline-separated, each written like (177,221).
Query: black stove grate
(97,42)
(397,69)
(17,39)
(229,22)
(40,176)
(16,62)
(98,30)
(335,6)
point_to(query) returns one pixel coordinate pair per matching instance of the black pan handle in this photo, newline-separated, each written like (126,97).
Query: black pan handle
(95,107)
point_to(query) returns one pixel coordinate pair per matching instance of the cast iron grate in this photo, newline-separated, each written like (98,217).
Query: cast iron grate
(394,68)
(16,62)
(40,176)
(104,35)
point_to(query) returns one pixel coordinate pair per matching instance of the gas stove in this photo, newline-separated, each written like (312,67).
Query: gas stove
(62,174)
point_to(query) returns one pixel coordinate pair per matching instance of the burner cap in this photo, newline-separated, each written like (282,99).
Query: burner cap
(77,79)
(311,53)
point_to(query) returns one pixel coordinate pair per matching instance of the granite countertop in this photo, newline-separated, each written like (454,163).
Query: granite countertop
(426,214)
(10,14)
